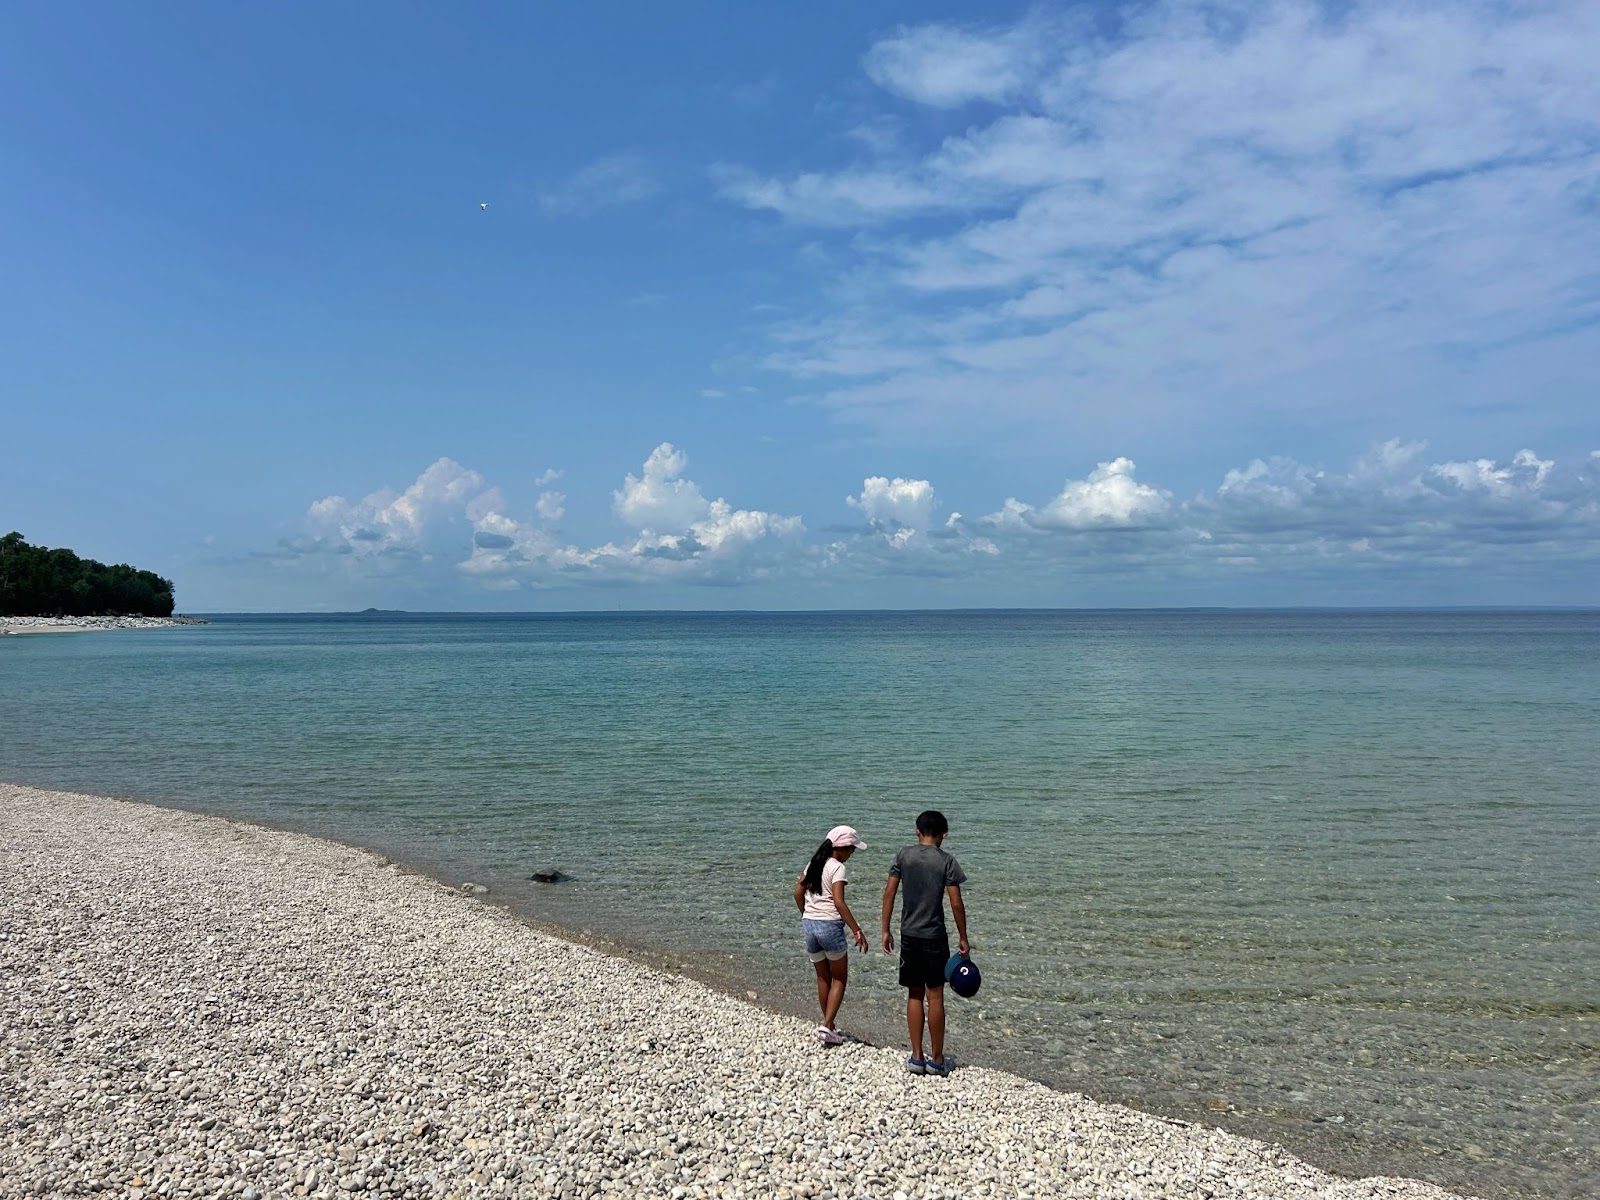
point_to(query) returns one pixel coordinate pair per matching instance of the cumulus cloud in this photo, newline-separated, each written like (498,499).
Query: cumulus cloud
(659,498)
(681,533)
(897,504)
(901,535)
(551,506)
(1110,498)
(1525,472)
(677,536)
(405,523)
(1391,519)
(1200,206)
(1485,518)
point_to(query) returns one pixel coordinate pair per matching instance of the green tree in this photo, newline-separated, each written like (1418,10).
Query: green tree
(36,581)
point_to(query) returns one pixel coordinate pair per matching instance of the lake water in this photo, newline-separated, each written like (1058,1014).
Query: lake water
(1328,878)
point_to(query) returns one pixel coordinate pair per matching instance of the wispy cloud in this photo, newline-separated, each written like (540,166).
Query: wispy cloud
(1260,206)
(610,182)
(947,67)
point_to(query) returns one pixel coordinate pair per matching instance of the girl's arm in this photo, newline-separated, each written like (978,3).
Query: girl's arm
(800,893)
(849,918)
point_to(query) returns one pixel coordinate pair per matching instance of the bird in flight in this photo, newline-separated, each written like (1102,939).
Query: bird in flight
(484,207)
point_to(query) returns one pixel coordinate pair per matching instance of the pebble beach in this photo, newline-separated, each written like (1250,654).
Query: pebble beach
(194,1006)
(10,625)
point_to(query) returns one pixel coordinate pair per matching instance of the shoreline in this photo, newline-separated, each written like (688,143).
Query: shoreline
(36,625)
(202,1003)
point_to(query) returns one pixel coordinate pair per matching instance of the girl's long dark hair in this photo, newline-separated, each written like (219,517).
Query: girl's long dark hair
(814,867)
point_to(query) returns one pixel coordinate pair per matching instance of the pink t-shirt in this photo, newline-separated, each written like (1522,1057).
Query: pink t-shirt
(822,908)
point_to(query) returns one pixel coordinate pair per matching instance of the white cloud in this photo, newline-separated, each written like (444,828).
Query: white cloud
(726,529)
(847,198)
(1485,512)
(948,67)
(551,506)
(1109,498)
(386,522)
(659,498)
(895,503)
(680,536)
(899,513)
(1525,473)
(1214,208)
(1390,520)
(1386,529)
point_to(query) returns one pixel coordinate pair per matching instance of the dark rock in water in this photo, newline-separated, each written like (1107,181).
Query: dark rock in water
(550,876)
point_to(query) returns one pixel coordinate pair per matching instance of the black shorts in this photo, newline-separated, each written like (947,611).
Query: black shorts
(922,961)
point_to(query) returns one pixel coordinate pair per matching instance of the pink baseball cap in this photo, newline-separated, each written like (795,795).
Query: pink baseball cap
(843,835)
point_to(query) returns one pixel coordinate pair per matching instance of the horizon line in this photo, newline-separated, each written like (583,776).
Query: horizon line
(1158,608)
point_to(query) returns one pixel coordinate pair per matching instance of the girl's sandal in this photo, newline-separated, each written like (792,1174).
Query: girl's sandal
(916,1066)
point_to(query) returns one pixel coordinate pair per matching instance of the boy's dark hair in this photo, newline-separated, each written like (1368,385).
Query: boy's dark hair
(932,823)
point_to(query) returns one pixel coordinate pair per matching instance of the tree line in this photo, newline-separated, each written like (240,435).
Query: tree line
(36,581)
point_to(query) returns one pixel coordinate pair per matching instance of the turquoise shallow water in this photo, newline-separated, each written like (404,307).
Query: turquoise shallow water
(1327,878)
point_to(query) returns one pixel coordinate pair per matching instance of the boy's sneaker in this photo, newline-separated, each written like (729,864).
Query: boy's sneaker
(916,1066)
(829,1037)
(936,1068)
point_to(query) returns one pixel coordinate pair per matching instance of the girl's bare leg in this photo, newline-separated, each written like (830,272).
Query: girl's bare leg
(824,971)
(840,975)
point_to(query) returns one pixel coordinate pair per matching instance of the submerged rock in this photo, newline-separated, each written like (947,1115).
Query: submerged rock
(550,876)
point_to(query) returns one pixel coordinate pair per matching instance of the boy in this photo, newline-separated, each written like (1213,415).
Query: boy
(928,875)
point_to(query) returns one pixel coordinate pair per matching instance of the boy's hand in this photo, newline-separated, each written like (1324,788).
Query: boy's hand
(966,950)
(888,942)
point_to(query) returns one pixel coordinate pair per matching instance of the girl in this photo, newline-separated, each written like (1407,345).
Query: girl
(819,895)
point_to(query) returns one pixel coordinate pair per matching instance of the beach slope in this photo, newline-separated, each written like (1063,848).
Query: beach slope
(196,1007)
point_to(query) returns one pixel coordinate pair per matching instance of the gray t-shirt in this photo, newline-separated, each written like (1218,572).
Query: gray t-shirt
(924,872)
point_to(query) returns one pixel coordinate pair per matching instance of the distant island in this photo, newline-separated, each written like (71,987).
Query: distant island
(36,581)
(380,612)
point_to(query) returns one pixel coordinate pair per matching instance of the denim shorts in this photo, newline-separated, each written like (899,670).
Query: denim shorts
(824,939)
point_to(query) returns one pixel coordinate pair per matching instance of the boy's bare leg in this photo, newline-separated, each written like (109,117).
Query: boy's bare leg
(840,973)
(936,1022)
(914,1019)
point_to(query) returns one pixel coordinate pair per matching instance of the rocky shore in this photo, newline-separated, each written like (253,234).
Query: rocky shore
(90,624)
(197,1007)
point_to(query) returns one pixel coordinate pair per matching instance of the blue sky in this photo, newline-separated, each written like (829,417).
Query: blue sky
(795,306)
